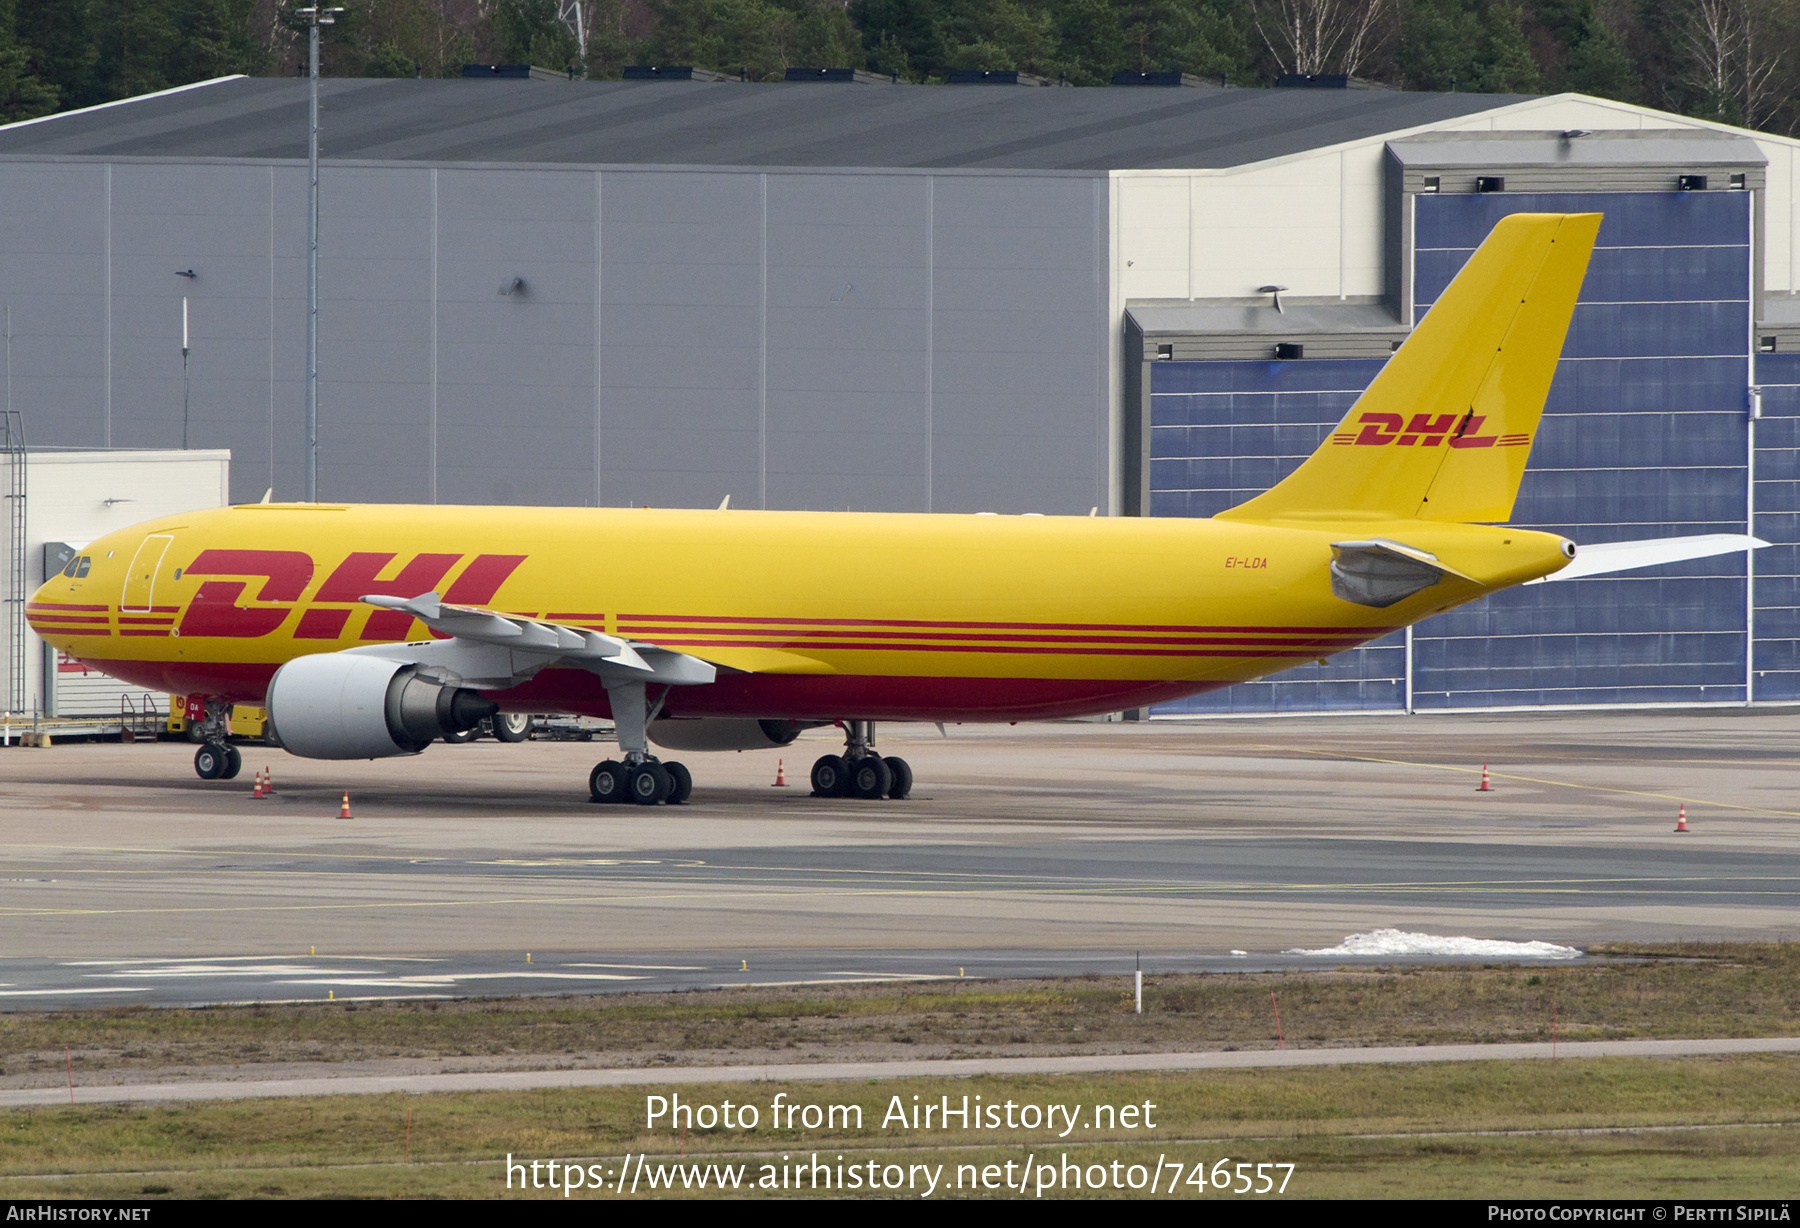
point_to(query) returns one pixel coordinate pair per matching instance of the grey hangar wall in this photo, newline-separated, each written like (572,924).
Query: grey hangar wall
(864,340)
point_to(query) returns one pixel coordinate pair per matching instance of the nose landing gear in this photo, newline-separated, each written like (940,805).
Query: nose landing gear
(217,758)
(860,771)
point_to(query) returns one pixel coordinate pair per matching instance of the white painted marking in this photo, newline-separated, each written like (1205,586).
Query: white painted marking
(195,970)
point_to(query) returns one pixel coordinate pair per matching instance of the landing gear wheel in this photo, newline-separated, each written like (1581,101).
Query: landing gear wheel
(211,759)
(901,771)
(681,781)
(648,784)
(512,726)
(831,776)
(606,783)
(234,763)
(459,737)
(870,778)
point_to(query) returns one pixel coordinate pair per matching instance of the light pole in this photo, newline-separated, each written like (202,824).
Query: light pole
(316,16)
(184,374)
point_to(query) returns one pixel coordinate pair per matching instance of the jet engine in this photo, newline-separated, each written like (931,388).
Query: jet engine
(340,705)
(726,733)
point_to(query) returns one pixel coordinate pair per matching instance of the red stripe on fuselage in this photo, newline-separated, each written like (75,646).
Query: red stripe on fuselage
(713,620)
(1074,649)
(775,638)
(805,696)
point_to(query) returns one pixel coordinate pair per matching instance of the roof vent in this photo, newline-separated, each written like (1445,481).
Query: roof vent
(1156,78)
(839,76)
(1313,81)
(995,76)
(666,72)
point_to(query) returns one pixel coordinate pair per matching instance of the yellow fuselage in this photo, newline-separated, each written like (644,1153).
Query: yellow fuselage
(809,615)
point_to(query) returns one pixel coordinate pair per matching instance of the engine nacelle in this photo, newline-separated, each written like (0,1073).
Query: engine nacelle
(726,733)
(340,705)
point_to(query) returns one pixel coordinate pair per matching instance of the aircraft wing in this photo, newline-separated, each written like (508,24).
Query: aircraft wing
(494,651)
(1610,557)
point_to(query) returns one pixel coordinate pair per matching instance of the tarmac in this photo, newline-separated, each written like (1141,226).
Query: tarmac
(1024,850)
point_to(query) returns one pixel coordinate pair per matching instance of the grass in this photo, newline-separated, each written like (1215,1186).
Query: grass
(1724,1127)
(1712,991)
(1412,1131)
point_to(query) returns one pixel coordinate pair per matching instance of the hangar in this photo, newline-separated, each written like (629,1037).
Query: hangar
(1150,300)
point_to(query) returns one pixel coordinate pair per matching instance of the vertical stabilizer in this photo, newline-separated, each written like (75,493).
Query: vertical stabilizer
(1444,431)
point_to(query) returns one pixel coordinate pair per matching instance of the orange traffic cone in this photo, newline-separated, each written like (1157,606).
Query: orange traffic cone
(1484,786)
(344,812)
(258,791)
(268,782)
(1681,818)
(780,780)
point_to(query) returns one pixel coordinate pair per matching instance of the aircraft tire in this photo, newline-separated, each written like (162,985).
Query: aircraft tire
(210,761)
(512,726)
(870,778)
(648,784)
(606,783)
(831,776)
(682,783)
(459,737)
(234,762)
(901,771)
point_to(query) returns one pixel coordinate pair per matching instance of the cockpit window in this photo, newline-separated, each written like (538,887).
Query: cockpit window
(86,561)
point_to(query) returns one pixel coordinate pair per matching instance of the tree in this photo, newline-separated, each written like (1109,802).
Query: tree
(1447,44)
(1733,61)
(23,93)
(900,36)
(1321,36)
(531,32)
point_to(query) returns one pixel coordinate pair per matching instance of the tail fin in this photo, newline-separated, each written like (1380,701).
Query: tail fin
(1443,432)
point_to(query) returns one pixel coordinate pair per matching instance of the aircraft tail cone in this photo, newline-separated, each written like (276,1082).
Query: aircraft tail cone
(257,792)
(1681,818)
(1484,786)
(344,811)
(780,780)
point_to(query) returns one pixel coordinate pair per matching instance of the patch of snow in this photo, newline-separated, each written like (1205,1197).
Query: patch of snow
(1399,942)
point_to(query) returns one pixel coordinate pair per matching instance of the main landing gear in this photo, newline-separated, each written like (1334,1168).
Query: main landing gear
(640,778)
(860,771)
(217,759)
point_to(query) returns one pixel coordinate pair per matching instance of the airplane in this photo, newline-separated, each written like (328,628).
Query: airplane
(369,631)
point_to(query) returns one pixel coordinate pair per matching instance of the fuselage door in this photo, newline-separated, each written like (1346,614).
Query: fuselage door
(140,581)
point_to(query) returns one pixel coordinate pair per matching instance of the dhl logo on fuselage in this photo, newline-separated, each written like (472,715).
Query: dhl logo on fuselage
(286,575)
(1425,431)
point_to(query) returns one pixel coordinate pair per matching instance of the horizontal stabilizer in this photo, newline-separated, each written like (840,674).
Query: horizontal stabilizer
(1610,557)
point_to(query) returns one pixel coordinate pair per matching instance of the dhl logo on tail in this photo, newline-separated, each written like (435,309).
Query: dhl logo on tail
(1426,431)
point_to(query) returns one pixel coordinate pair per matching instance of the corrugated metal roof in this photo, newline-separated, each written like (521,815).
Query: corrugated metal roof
(672,123)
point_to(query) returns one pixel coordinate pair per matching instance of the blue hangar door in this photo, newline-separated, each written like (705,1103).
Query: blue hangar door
(1647,433)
